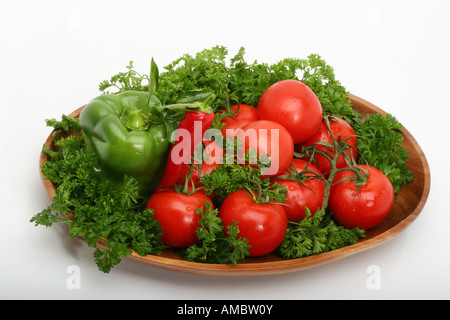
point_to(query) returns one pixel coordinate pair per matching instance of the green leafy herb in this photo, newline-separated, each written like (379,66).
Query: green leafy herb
(65,125)
(316,234)
(215,244)
(92,206)
(126,81)
(380,144)
(245,82)
(206,70)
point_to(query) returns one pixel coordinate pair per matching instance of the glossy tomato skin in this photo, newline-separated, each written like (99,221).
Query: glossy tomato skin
(366,207)
(339,128)
(176,212)
(263,225)
(309,193)
(244,114)
(294,105)
(269,138)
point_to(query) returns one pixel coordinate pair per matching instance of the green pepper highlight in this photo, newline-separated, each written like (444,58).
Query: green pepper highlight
(130,136)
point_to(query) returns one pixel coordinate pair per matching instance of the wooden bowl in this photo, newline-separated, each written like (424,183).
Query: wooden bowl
(409,203)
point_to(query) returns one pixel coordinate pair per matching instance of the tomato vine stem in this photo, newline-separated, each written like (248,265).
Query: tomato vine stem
(337,147)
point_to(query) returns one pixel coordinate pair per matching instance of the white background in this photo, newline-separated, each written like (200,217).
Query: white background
(53,55)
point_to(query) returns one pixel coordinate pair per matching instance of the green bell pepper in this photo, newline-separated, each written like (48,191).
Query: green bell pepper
(129,134)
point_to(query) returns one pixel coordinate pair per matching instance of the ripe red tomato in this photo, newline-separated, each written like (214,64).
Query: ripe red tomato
(294,105)
(309,193)
(364,208)
(269,139)
(263,225)
(212,158)
(339,128)
(176,212)
(244,114)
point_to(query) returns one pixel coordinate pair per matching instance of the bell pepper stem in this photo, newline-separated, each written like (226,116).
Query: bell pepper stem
(196,106)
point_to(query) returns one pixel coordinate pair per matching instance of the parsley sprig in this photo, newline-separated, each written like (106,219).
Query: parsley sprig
(380,143)
(90,204)
(126,81)
(215,244)
(316,234)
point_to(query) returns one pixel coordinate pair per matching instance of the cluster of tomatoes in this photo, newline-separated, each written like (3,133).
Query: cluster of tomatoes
(292,108)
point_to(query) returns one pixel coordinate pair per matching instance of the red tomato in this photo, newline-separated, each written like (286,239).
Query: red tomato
(366,207)
(176,212)
(212,158)
(269,139)
(339,128)
(244,114)
(294,105)
(309,193)
(263,225)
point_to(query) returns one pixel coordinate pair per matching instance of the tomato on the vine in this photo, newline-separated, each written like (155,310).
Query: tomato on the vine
(294,105)
(363,206)
(271,141)
(307,192)
(340,129)
(262,224)
(176,213)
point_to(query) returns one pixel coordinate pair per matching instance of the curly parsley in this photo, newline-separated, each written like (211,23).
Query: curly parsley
(94,209)
(380,144)
(215,244)
(316,234)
